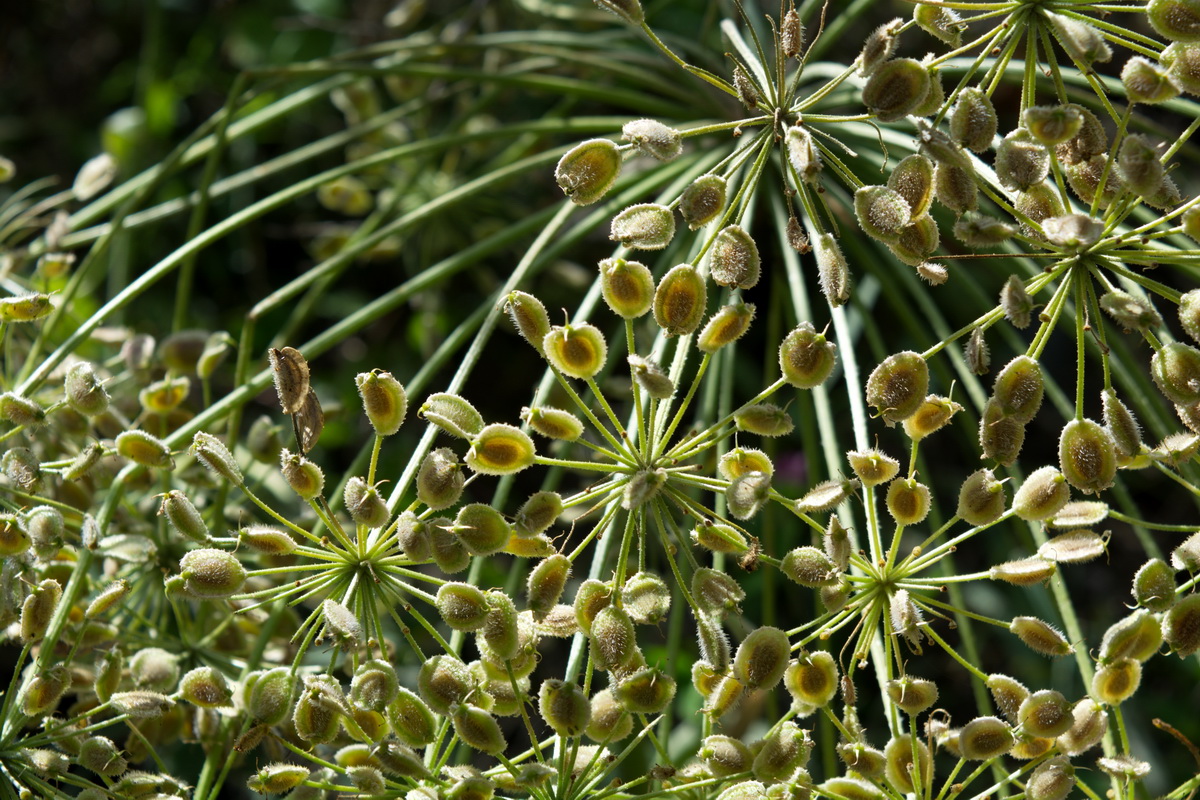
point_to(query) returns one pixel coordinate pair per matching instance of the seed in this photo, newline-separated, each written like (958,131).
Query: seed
(985,737)
(1116,681)
(590,598)
(735,261)
(872,467)
(933,415)
(863,759)
(453,414)
(38,609)
(940,22)
(587,171)
(1089,722)
(646,598)
(916,242)
(627,287)
(973,120)
(443,681)
(653,138)
(908,768)
(879,46)
(481,529)
(1084,179)
(1176,371)
(1183,65)
(1181,626)
(955,188)
(896,88)
(211,574)
(142,448)
(724,755)
(111,595)
(715,592)
(702,201)
(747,494)
(1019,389)
(647,691)
(812,679)
(979,230)
(1177,20)
(213,454)
(726,326)
(384,400)
(1041,637)
(529,317)
(1045,713)
(908,501)
(1051,780)
(440,480)
(1073,232)
(576,350)
(1154,585)
(1053,125)
(976,354)
(500,449)
(613,642)
(809,567)
(564,707)
(101,755)
(825,496)
(646,226)
(803,154)
(1087,456)
(781,753)
(832,270)
(912,179)
(609,722)
(1021,160)
(1024,572)
(650,378)
(762,658)
(897,387)
(1082,42)
(1131,313)
(270,696)
(205,687)
(764,419)
(1039,202)
(305,477)
(806,358)
(546,583)
(881,212)
(680,300)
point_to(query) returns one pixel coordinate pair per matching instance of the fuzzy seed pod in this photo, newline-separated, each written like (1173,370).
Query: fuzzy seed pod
(481,529)
(879,46)
(277,778)
(812,679)
(13,539)
(1084,179)
(1187,555)
(896,88)
(1139,164)
(747,494)
(1176,20)
(724,755)
(973,120)
(553,423)
(1176,371)
(141,704)
(628,10)
(38,609)
(290,371)
(163,397)
(1045,713)
(42,692)
(211,574)
(25,308)
(341,624)
(825,496)
(916,242)
(1021,160)
(111,595)
(1019,388)
(803,154)
(734,259)
(781,753)
(1024,572)
(933,415)
(872,466)
(934,274)
(680,300)
(1072,232)
(1147,82)
(384,400)
(101,755)
(955,188)
(415,537)
(1182,62)
(650,378)
(83,463)
(269,695)
(587,171)
(1039,202)
(905,617)
(976,354)
(183,516)
(832,270)
(546,583)
(24,471)
(1041,637)
(531,320)
(940,22)
(806,358)
(613,642)
(21,410)
(364,504)
(1189,313)
(714,650)
(762,658)
(1137,636)
(646,598)
(142,448)
(897,387)
(263,441)
(1181,626)
(609,721)
(537,513)
(1087,456)
(501,449)
(1154,585)
(1051,780)
(462,606)
(590,598)
(702,201)
(907,501)
(627,287)
(985,737)
(647,691)
(715,592)
(154,669)
(478,729)
(1190,222)
(576,350)
(440,479)
(809,567)
(205,687)
(453,414)
(851,789)
(1088,725)
(979,230)
(905,768)
(410,718)
(726,326)
(791,34)
(444,681)
(1116,681)
(564,707)
(45,528)
(1131,313)
(1008,694)
(912,179)
(764,419)
(646,226)
(653,138)
(1082,42)
(1053,125)
(881,212)
(305,477)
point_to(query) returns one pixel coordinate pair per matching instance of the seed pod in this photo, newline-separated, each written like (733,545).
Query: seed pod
(933,415)
(628,10)
(627,287)
(529,317)
(762,658)
(906,769)
(20,410)
(976,354)
(24,471)
(415,537)
(1131,313)
(481,529)
(1084,179)
(782,751)
(537,513)
(1087,456)
(825,496)
(734,258)
(907,501)
(832,270)
(291,374)
(647,691)
(726,326)
(1176,449)
(576,350)
(1072,232)
(443,681)
(973,120)
(1116,682)
(764,419)
(650,377)
(1024,572)
(1082,42)
(809,567)
(747,92)
(812,679)
(440,480)
(916,242)
(724,755)
(478,729)
(803,154)
(1051,780)
(364,504)
(154,669)
(896,88)
(38,608)
(462,606)
(305,477)
(646,598)
(13,539)
(410,719)
(897,387)
(1039,202)
(546,583)
(564,707)
(1176,20)
(979,230)
(806,358)
(1074,547)
(879,46)
(680,300)
(716,592)
(590,598)
(211,574)
(653,138)
(1045,713)
(101,755)
(587,171)
(1089,722)
(872,466)
(500,449)
(955,188)
(1181,626)
(25,308)
(1176,371)
(747,494)
(84,390)
(646,226)
(912,179)
(905,617)
(702,201)
(183,516)
(1182,62)
(111,595)
(1019,389)
(142,448)
(141,705)
(1187,555)
(714,649)
(384,400)
(453,414)
(42,692)
(881,212)
(940,22)
(609,721)
(1041,637)
(985,737)
(205,687)
(163,397)
(1154,585)
(613,642)
(1008,695)
(553,423)
(269,695)
(1021,160)
(1141,169)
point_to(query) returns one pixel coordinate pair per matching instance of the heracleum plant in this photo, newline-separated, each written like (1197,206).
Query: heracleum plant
(782,492)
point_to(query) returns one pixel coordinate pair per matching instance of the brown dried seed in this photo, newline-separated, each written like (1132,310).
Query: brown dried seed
(291,374)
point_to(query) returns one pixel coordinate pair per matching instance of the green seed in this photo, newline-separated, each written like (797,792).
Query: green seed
(440,479)
(896,88)
(1177,20)
(726,326)
(587,171)
(453,414)
(1041,637)
(897,387)
(806,358)
(973,119)
(647,226)
(702,201)
(529,317)
(500,449)
(1045,714)
(627,287)
(680,300)
(762,658)
(653,138)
